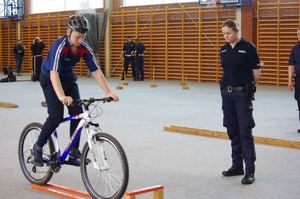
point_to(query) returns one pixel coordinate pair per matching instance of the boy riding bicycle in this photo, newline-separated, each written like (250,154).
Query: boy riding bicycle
(58,82)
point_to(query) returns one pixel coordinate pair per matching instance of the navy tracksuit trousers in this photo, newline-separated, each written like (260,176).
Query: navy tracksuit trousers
(56,108)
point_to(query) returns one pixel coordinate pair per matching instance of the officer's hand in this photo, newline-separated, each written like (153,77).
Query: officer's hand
(114,96)
(291,86)
(66,100)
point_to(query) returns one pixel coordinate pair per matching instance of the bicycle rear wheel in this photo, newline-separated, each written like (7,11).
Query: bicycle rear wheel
(104,169)
(35,175)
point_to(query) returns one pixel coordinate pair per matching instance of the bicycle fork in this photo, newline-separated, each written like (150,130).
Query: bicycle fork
(99,157)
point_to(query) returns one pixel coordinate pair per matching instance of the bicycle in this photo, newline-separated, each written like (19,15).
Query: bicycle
(103,165)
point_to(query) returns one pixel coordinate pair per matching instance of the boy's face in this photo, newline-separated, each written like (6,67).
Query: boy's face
(76,38)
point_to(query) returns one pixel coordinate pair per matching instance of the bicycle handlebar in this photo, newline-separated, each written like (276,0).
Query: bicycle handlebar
(91,100)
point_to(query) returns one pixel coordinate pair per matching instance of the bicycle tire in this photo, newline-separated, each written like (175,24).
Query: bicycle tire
(25,155)
(123,170)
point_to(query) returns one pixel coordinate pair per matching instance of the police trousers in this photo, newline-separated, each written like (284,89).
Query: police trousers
(56,108)
(297,91)
(130,60)
(139,65)
(238,119)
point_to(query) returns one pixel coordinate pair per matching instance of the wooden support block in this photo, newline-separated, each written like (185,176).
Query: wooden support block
(159,194)
(125,83)
(153,85)
(185,87)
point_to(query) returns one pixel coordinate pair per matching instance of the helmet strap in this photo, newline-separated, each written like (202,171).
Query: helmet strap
(69,37)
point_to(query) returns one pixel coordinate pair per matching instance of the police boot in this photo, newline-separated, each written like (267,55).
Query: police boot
(74,157)
(248,179)
(37,153)
(233,171)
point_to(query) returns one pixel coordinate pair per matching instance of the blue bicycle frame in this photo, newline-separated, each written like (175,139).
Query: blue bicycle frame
(73,139)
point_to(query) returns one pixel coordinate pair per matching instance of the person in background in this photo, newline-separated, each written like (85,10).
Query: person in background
(128,53)
(37,48)
(294,72)
(18,51)
(139,59)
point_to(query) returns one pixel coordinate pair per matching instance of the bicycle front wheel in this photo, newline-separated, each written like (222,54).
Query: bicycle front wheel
(104,168)
(35,175)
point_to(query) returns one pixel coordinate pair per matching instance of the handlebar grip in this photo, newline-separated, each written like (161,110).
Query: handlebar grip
(76,102)
(109,99)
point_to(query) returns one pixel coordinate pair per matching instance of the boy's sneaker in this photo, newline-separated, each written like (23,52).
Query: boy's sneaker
(37,153)
(74,157)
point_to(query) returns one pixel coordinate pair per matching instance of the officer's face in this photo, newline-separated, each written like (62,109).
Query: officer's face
(298,34)
(229,34)
(76,38)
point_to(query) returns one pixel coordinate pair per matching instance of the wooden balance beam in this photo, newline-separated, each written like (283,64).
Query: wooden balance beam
(7,105)
(223,135)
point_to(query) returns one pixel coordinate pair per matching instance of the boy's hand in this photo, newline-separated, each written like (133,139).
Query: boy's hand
(66,100)
(114,96)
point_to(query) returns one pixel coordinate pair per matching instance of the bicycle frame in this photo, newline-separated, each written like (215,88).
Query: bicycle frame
(84,120)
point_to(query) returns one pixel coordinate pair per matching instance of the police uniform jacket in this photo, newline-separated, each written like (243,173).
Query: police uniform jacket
(295,57)
(128,48)
(238,63)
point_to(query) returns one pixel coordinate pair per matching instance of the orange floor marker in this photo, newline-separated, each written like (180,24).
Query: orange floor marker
(63,192)
(158,192)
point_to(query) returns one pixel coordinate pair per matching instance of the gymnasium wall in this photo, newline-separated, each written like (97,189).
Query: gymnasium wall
(182,41)
(277,23)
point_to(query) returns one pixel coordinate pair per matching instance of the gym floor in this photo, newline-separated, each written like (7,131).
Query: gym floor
(188,166)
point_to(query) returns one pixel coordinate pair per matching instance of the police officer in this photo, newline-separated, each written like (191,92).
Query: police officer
(241,66)
(128,52)
(37,48)
(294,71)
(139,59)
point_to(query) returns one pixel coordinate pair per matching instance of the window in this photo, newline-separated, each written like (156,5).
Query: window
(152,2)
(40,6)
(1,8)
